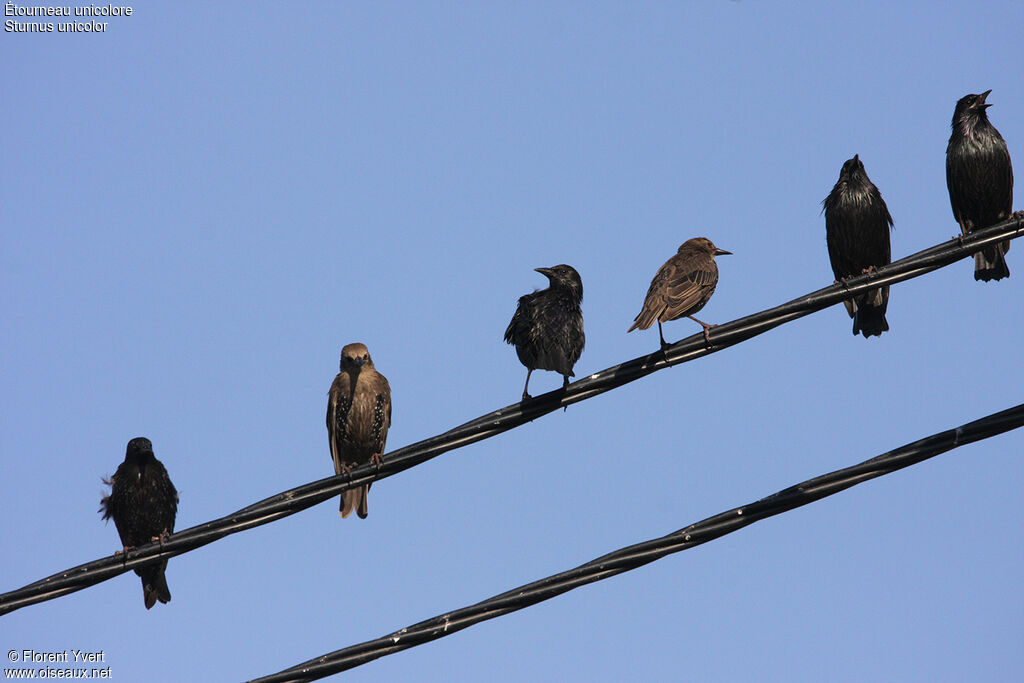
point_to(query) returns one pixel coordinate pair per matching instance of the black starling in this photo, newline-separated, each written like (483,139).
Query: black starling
(358,418)
(980,180)
(143,503)
(681,287)
(857,226)
(547,327)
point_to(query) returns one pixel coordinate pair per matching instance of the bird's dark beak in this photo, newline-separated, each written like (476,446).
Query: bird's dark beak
(544,271)
(856,157)
(981,100)
(359,361)
(722,252)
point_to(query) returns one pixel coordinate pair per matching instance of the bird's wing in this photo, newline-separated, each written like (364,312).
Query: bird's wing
(685,289)
(168,512)
(835,249)
(1001,177)
(381,392)
(954,181)
(1009,184)
(381,421)
(577,338)
(511,332)
(654,302)
(338,406)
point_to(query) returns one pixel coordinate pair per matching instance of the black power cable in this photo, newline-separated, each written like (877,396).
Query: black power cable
(648,551)
(299,498)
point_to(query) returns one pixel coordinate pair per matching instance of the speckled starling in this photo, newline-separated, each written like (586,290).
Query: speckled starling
(143,503)
(980,180)
(857,226)
(681,287)
(358,418)
(547,327)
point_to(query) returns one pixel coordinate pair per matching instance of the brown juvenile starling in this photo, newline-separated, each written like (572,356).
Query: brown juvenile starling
(681,287)
(358,418)
(857,226)
(980,180)
(143,503)
(547,327)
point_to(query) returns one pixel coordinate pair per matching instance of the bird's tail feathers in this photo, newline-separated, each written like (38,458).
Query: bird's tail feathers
(851,308)
(990,264)
(643,320)
(355,499)
(868,312)
(154,584)
(869,319)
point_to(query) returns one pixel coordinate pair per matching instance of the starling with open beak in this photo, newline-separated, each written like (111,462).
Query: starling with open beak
(980,180)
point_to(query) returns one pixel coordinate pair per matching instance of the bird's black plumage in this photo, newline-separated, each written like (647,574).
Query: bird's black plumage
(143,503)
(857,224)
(547,327)
(979,176)
(681,287)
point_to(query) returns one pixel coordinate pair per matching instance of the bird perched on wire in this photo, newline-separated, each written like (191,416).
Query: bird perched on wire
(980,180)
(143,503)
(358,418)
(547,327)
(681,287)
(857,224)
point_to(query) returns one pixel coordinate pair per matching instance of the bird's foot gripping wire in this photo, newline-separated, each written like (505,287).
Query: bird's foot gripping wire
(123,552)
(664,351)
(160,538)
(707,330)
(664,344)
(707,335)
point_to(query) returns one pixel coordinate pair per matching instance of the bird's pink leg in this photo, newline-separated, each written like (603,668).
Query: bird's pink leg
(707,329)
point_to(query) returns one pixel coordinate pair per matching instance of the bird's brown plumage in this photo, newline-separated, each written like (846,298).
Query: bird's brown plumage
(681,286)
(358,418)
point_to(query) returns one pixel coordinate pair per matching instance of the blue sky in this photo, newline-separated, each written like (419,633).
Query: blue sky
(203,204)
